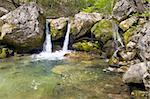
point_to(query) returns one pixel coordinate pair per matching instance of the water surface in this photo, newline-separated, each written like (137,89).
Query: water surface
(22,78)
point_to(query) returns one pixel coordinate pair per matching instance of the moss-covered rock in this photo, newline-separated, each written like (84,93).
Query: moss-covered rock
(126,24)
(5,52)
(103,30)
(129,33)
(86,46)
(113,61)
(139,94)
(58,27)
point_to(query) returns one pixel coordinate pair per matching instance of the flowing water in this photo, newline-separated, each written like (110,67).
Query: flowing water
(47,53)
(47,47)
(21,78)
(66,42)
(117,38)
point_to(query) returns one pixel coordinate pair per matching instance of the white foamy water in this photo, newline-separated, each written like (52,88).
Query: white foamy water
(47,46)
(66,42)
(47,53)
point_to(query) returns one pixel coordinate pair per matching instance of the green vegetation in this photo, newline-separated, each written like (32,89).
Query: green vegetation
(86,46)
(103,6)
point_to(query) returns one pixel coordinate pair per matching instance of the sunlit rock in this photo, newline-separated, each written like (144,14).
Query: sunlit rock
(83,22)
(126,24)
(28,33)
(122,9)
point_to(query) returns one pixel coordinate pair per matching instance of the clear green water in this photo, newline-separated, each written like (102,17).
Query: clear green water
(20,78)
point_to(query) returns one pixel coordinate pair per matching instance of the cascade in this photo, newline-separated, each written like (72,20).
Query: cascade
(47,53)
(66,41)
(117,38)
(47,47)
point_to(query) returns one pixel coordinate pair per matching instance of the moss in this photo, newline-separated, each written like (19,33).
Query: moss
(128,34)
(56,34)
(3,53)
(103,30)
(86,46)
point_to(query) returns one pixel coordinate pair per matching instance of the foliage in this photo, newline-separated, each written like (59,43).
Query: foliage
(102,6)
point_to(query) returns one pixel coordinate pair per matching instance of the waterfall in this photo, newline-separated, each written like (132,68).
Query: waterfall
(47,53)
(66,41)
(47,47)
(117,38)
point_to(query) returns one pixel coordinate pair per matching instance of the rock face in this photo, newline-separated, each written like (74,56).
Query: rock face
(103,30)
(122,9)
(5,7)
(144,42)
(29,23)
(83,22)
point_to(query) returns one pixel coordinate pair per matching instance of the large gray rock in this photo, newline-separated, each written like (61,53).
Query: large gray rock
(83,22)
(136,73)
(122,9)
(26,27)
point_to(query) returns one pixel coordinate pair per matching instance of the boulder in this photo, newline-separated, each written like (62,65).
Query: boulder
(24,28)
(58,27)
(83,22)
(103,30)
(136,73)
(122,9)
